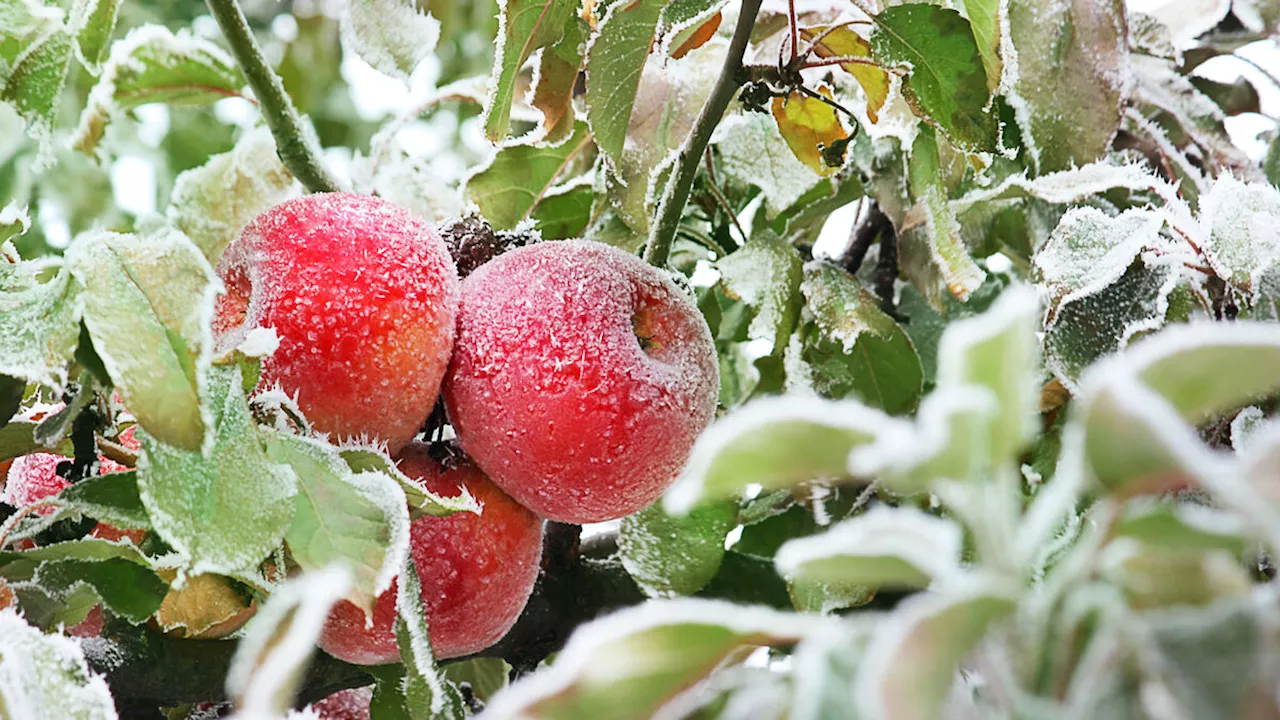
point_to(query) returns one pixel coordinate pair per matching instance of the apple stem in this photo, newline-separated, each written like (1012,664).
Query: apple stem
(298,149)
(676,194)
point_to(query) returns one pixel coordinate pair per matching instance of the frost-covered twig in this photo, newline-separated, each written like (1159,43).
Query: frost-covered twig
(677,191)
(296,147)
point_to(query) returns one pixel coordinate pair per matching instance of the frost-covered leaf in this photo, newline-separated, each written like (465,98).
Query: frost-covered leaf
(615,61)
(1088,327)
(130,590)
(510,186)
(985,18)
(278,642)
(485,675)
(524,27)
(766,274)
(691,38)
(1076,184)
(424,692)
(1152,577)
(33,80)
(1069,72)
(111,498)
(93,22)
(811,129)
(631,663)
(1182,526)
(421,501)
(1241,220)
(1090,250)
(947,249)
(14,221)
(844,42)
(226,511)
(556,79)
(564,211)
(1160,86)
(853,347)
(357,519)
(213,203)
(998,351)
(46,676)
(882,548)
(1185,365)
(205,605)
(148,307)
(822,665)
(151,64)
(752,152)
(40,307)
(669,556)
(947,85)
(391,35)
(777,443)
(670,96)
(911,662)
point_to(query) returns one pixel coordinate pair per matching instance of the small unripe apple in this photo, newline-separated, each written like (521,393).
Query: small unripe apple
(362,296)
(476,571)
(580,378)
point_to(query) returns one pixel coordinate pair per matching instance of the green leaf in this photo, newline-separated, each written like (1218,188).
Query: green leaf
(947,85)
(151,65)
(882,548)
(1239,218)
(391,35)
(777,443)
(752,152)
(35,82)
(421,501)
(11,391)
(564,211)
(853,347)
(823,664)
(127,589)
(1069,79)
(629,664)
(524,27)
(149,308)
(356,519)
(213,203)
(556,79)
(508,188)
(947,250)
(615,61)
(15,221)
(984,18)
(272,655)
(424,692)
(40,307)
(485,675)
(47,676)
(87,550)
(226,511)
(766,274)
(1185,365)
(1157,576)
(911,662)
(1085,328)
(998,351)
(1182,526)
(1090,250)
(112,498)
(93,22)
(669,556)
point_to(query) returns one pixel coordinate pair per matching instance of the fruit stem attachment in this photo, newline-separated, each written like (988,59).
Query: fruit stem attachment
(676,193)
(297,148)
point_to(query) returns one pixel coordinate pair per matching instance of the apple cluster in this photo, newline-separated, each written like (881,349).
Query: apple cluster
(575,377)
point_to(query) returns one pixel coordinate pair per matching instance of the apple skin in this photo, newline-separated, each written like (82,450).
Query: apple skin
(362,295)
(476,571)
(349,704)
(580,378)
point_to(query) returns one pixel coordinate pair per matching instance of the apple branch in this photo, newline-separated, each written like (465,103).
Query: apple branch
(296,148)
(678,187)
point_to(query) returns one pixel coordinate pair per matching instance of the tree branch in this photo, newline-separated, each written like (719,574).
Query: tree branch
(676,193)
(296,148)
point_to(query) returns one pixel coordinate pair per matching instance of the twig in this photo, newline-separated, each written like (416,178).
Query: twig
(676,193)
(887,271)
(863,235)
(793,25)
(294,146)
(7,529)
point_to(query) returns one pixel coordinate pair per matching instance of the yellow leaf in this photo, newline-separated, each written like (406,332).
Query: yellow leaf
(809,125)
(206,607)
(699,37)
(844,42)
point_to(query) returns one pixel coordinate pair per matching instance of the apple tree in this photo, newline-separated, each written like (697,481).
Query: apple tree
(639,358)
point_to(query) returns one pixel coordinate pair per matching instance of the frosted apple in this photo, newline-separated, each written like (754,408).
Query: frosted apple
(580,378)
(476,571)
(363,297)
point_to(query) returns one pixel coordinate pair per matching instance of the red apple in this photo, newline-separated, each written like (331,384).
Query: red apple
(580,378)
(477,572)
(349,704)
(363,297)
